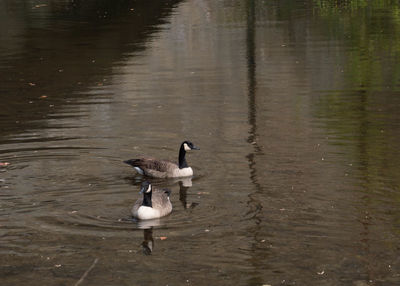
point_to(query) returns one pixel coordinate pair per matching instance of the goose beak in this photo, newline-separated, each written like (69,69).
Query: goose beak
(142,190)
(195,148)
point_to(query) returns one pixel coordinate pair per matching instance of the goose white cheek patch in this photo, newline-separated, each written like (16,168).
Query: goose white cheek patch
(187,148)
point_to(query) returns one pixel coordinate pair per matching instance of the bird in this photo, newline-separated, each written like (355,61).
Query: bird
(152,167)
(154,203)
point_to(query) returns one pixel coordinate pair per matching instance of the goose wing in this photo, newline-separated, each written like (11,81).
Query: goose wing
(152,167)
(160,201)
(136,206)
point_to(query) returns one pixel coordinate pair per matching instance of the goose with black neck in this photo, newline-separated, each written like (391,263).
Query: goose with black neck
(163,168)
(154,203)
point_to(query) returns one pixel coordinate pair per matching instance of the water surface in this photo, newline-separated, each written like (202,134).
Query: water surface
(293,104)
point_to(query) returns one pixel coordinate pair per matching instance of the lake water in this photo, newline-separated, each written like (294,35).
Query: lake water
(294,104)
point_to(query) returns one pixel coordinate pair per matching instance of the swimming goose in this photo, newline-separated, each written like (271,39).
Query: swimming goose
(155,203)
(164,169)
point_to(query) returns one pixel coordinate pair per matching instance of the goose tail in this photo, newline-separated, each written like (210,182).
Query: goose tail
(132,162)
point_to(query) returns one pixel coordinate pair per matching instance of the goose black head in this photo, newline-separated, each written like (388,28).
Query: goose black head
(145,188)
(187,145)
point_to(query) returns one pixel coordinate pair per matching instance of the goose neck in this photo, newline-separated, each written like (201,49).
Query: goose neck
(147,200)
(182,158)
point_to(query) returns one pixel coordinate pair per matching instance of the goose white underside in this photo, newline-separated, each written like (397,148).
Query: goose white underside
(140,171)
(149,223)
(147,213)
(184,172)
(175,173)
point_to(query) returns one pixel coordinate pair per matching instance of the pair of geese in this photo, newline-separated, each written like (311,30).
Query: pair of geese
(155,203)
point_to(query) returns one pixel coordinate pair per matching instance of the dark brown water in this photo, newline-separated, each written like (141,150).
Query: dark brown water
(295,106)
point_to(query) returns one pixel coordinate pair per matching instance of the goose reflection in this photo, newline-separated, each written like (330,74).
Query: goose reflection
(148,240)
(184,185)
(147,224)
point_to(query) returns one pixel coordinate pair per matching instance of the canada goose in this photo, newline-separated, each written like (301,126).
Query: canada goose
(155,203)
(164,169)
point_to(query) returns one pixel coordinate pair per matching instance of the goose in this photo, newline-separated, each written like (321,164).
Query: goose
(154,204)
(165,169)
